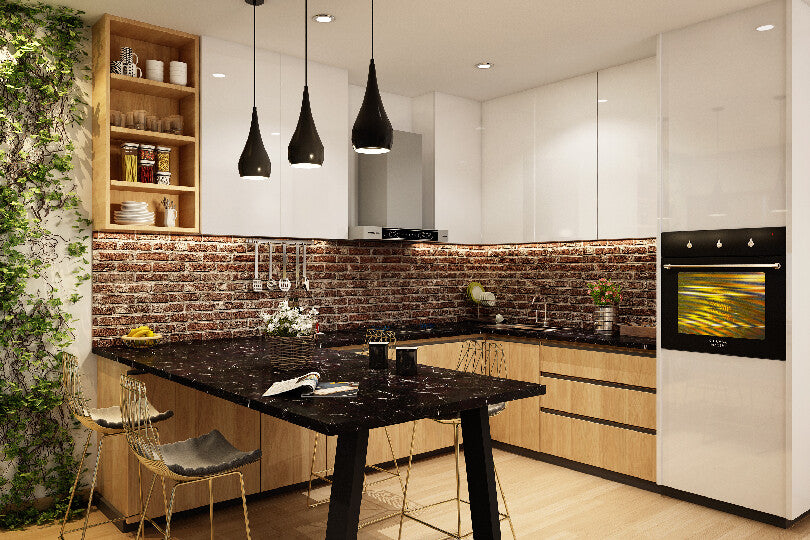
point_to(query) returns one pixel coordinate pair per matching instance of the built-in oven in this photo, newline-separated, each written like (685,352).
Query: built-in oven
(723,292)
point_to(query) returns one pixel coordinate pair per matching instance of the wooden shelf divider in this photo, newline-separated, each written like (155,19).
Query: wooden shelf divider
(123,93)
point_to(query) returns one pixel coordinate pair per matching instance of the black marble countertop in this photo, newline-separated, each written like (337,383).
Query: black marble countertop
(345,338)
(241,370)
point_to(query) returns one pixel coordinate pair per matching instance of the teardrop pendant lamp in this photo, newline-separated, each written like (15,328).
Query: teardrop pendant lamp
(254,163)
(372,132)
(305,150)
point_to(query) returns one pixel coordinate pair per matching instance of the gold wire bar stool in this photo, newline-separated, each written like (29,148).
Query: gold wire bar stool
(105,422)
(200,459)
(483,358)
(372,335)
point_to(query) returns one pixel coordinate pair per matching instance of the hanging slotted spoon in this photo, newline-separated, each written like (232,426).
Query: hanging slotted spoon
(271,283)
(284,283)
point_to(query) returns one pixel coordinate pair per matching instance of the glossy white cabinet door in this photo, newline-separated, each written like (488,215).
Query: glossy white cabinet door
(723,122)
(565,160)
(315,202)
(507,209)
(628,150)
(230,205)
(457,175)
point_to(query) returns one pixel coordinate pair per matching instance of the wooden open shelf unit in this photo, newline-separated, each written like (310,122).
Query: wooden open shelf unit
(124,93)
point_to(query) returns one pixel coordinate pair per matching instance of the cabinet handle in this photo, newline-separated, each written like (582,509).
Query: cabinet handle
(775,266)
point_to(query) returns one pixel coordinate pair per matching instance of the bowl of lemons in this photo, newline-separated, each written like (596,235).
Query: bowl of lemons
(143,336)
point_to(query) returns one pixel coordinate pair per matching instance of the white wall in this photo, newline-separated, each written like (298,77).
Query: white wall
(798,368)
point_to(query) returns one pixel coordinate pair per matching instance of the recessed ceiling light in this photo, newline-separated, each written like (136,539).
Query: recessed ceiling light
(275,134)
(602,100)
(218,75)
(323,18)
(483,65)
(764,28)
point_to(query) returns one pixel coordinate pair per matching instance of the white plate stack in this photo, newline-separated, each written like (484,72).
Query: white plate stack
(134,213)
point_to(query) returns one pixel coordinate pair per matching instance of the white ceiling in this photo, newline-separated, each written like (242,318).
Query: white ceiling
(427,45)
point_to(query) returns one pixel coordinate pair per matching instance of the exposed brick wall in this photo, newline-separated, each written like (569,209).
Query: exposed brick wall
(198,287)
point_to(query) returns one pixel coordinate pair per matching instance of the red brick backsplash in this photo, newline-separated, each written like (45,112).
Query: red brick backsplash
(199,287)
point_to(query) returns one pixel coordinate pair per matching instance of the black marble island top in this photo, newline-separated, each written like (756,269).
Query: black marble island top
(471,327)
(241,370)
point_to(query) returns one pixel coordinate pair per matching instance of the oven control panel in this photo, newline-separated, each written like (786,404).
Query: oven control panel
(760,242)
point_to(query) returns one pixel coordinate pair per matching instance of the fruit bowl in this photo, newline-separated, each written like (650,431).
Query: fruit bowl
(142,341)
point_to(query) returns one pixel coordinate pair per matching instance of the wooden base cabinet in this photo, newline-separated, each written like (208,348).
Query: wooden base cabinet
(519,423)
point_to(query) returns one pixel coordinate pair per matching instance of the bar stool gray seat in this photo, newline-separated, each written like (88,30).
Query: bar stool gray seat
(199,459)
(484,358)
(105,422)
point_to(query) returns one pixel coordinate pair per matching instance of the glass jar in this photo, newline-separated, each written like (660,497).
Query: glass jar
(147,152)
(163,158)
(163,178)
(129,162)
(146,172)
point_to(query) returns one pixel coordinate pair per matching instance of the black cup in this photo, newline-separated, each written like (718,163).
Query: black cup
(378,355)
(406,361)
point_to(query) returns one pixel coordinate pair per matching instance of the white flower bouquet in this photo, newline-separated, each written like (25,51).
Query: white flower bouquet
(289,321)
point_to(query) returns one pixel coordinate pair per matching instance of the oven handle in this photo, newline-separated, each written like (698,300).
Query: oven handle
(775,266)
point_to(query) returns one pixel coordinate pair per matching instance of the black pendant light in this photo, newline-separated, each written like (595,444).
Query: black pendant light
(305,150)
(372,132)
(254,163)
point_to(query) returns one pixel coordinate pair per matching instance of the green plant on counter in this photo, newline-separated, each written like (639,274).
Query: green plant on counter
(604,292)
(288,321)
(42,53)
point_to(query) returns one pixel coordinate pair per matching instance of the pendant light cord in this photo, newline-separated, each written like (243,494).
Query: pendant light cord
(254,55)
(306,43)
(372,29)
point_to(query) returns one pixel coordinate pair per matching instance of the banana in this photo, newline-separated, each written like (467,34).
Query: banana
(141,332)
(136,330)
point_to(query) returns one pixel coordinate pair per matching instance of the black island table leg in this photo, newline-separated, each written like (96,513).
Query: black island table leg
(347,486)
(480,474)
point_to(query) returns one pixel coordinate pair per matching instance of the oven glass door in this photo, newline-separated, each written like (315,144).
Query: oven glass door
(731,310)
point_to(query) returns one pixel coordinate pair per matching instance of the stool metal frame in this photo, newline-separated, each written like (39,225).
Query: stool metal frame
(144,441)
(483,358)
(372,335)
(74,397)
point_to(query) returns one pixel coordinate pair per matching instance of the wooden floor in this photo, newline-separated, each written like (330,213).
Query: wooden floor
(546,501)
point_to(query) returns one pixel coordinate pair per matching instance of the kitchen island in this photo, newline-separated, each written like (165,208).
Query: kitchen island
(240,370)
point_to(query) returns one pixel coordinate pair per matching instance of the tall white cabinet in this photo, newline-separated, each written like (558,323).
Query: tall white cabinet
(565,160)
(558,165)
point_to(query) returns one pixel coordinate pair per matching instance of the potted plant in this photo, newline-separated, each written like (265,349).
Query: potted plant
(290,332)
(606,295)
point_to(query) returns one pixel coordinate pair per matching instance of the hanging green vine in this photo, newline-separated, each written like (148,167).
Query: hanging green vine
(43,232)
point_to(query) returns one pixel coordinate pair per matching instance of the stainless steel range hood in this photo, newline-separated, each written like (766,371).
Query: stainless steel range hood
(389,194)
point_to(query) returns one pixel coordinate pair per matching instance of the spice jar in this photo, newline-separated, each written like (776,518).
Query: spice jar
(129,162)
(163,159)
(163,178)
(147,152)
(146,172)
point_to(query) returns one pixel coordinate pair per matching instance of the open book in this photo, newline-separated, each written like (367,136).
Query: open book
(309,385)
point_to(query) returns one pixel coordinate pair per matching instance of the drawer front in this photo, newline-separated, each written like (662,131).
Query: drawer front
(621,450)
(622,405)
(628,369)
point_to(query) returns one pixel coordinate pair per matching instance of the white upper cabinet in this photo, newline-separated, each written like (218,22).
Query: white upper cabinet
(628,150)
(565,160)
(315,202)
(508,169)
(229,204)
(723,122)
(299,203)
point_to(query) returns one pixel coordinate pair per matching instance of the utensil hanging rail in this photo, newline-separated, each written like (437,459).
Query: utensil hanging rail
(774,266)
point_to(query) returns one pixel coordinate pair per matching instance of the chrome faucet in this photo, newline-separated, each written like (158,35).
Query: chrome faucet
(545,312)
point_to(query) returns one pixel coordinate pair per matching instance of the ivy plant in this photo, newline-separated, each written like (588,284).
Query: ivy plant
(43,231)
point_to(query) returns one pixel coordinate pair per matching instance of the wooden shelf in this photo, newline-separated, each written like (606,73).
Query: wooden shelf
(150,229)
(120,185)
(126,83)
(153,137)
(122,93)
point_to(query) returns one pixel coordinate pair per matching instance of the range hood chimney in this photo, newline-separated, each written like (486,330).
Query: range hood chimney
(389,193)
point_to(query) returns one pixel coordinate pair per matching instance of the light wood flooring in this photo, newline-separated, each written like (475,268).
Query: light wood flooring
(546,501)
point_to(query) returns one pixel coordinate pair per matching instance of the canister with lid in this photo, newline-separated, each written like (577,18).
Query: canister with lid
(129,162)
(163,159)
(147,152)
(146,172)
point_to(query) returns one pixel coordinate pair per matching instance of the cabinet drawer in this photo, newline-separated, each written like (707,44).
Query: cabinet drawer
(622,405)
(600,365)
(622,450)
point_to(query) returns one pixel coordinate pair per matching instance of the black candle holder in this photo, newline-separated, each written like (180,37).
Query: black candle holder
(378,355)
(406,361)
